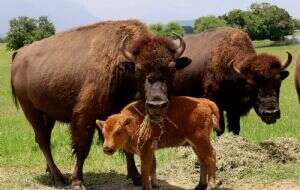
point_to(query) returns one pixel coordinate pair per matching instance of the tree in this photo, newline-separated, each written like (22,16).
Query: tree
(236,18)
(297,23)
(207,22)
(277,21)
(157,29)
(262,21)
(173,27)
(167,30)
(24,30)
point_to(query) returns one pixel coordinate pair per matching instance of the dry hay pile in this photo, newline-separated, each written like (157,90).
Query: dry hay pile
(236,156)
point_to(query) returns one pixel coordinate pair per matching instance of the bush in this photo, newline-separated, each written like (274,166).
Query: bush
(167,30)
(263,21)
(24,30)
(2,40)
(207,22)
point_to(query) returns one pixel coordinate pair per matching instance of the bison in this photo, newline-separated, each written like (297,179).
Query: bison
(226,69)
(297,76)
(88,73)
(189,121)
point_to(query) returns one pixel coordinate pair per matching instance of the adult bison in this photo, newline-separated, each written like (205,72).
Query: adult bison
(227,70)
(88,73)
(297,76)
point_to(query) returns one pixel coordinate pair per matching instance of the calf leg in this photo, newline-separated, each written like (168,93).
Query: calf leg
(233,122)
(132,170)
(43,126)
(207,159)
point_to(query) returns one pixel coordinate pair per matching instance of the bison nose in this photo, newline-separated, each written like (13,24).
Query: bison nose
(108,150)
(275,112)
(157,104)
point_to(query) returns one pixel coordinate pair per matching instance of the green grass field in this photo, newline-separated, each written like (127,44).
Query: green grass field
(297,32)
(22,163)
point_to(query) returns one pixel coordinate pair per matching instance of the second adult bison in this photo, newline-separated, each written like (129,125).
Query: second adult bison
(226,69)
(88,73)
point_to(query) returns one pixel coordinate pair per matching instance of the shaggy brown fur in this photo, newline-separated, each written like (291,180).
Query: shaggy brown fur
(190,120)
(297,76)
(215,53)
(80,75)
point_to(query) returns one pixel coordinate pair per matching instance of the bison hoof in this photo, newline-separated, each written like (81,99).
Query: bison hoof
(201,187)
(61,182)
(78,185)
(136,180)
(155,186)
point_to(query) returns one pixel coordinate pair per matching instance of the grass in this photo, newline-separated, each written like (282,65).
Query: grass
(21,158)
(297,32)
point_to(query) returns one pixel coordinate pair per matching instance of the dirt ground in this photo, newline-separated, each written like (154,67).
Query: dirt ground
(237,161)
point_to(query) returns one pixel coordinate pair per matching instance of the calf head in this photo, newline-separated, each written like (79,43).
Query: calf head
(156,61)
(115,132)
(263,75)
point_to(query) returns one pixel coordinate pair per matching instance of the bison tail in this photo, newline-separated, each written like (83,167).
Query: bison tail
(216,123)
(13,92)
(298,90)
(297,79)
(215,117)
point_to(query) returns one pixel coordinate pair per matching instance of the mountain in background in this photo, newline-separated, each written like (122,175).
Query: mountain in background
(186,22)
(63,13)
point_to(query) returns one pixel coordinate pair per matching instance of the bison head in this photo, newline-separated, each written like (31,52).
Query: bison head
(263,75)
(156,60)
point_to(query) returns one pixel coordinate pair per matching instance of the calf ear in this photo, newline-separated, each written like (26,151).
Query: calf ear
(283,74)
(182,62)
(100,123)
(128,121)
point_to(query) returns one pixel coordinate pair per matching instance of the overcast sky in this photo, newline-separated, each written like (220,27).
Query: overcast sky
(167,10)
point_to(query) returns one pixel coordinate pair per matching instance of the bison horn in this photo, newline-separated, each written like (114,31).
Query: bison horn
(288,61)
(125,52)
(235,69)
(181,47)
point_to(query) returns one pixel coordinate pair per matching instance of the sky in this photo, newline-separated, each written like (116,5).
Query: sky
(168,10)
(67,14)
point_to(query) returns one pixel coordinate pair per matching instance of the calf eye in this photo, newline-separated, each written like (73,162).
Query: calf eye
(118,133)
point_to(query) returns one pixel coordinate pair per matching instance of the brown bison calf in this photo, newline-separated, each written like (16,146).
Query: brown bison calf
(189,121)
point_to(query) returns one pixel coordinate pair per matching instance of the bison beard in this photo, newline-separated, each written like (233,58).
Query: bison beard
(227,70)
(81,75)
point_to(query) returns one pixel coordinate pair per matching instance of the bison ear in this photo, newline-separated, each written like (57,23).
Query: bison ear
(127,67)
(283,74)
(100,124)
(182,62)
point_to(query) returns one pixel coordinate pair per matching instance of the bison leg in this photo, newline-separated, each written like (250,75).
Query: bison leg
(146,167)
(43,126)
(132,170)
(222,123)
(82,131)
(82,136)
(207,159)
(233,122)
(154,181)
